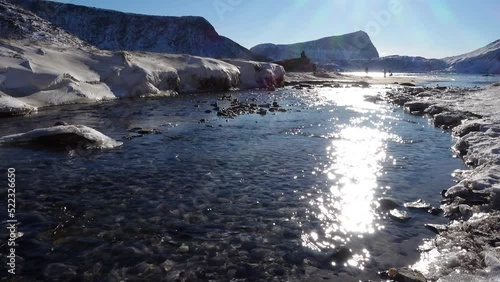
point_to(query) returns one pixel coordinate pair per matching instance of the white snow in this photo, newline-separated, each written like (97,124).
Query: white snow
(12,106)
(42,74)
(96,138)
(259,74)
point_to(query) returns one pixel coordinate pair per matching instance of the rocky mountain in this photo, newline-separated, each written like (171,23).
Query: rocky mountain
(356,45)
(17,23)
(112,30)
(485,60)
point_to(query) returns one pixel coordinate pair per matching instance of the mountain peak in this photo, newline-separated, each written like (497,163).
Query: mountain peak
(355,45)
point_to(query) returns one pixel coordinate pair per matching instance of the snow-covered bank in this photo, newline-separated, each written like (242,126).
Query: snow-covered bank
(12,107)
(469,248)
(41,74)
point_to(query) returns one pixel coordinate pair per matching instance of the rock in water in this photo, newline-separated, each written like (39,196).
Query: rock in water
(399,215)
(63,135)
(418,204)
(388,203)
(403,275)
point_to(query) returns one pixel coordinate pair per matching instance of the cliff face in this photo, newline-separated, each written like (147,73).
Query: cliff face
(356,45)
(112,30)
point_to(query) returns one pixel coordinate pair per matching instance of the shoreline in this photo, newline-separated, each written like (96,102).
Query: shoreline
(468,247)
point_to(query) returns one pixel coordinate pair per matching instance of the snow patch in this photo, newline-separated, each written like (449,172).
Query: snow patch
(64,133)
(10,106)
(259,74)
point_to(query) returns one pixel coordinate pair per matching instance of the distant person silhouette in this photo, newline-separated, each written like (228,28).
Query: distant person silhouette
(303,55)
(366,70)
(385,73)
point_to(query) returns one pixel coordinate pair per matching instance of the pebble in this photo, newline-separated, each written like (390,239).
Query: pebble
(183,249)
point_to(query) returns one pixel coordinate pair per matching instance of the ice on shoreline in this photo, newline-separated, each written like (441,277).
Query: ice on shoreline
(41,74)
(469,249)
(10,106)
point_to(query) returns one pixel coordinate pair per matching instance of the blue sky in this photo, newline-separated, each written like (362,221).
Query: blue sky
(428,28)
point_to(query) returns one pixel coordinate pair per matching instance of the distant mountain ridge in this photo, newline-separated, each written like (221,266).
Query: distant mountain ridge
(356,45)
(113,30)
(483,60)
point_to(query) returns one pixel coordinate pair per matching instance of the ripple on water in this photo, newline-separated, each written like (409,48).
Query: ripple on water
(255,197)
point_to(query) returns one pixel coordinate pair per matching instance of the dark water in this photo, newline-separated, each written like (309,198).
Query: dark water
(290,196)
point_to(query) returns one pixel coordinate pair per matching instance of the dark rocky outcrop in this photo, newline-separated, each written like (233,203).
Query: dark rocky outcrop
(297,64)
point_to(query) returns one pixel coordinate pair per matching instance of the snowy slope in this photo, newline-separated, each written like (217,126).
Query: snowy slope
(37,74)
(112,30)
(17,23)
(483,60)
(356,45)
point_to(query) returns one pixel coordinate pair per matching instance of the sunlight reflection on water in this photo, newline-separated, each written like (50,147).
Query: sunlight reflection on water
(355,156)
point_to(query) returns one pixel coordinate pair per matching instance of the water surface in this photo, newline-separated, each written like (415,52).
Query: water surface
(284,196)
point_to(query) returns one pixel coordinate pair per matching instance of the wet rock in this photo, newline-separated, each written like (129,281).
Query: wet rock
(60,272)
(462,147)
(60,123)
(434,110)
(140,130)
(342,254)
(463,130)
(373,99)
(418,204)
(436,228)
(448,119)
(183,249)
(399,215)
(388,203)
(362,84)
(435,211)
(413,107)
(417,91)
(132,136)
(262,112)
(409,275)
(407,84)
(455,191)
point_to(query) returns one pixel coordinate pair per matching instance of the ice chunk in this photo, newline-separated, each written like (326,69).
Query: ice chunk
(64,135)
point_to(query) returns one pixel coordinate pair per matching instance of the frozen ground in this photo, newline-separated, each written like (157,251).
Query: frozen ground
(42,74)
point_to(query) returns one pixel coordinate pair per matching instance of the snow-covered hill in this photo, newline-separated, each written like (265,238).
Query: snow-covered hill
(483,60)
(17,23)
(356,45)
(112,30)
